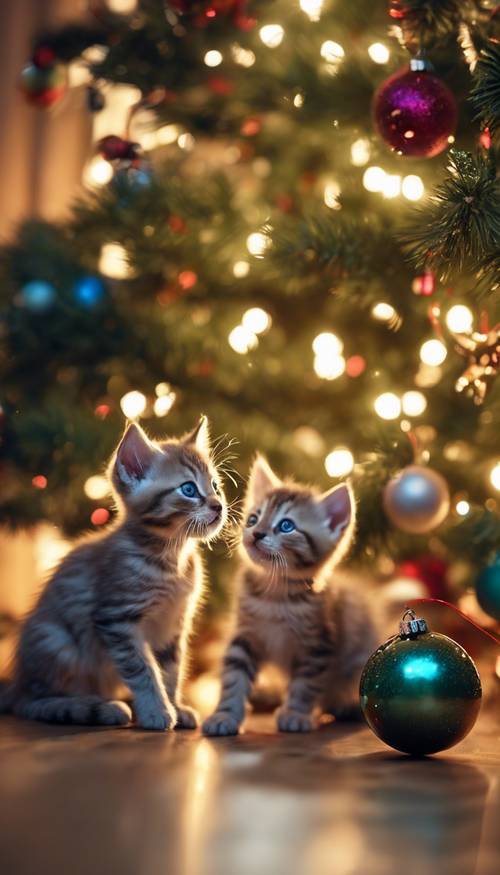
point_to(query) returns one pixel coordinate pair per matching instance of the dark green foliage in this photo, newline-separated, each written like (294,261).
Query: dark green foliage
(485,94)
(460,228)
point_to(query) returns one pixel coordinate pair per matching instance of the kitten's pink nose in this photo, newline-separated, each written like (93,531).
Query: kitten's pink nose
(257,536)
(216,506)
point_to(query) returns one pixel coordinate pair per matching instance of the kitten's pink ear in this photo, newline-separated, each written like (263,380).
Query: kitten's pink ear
(200,436)
(134,455)
(337,506)
(261,480)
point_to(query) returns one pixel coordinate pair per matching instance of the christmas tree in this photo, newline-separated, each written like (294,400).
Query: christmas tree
(249,246)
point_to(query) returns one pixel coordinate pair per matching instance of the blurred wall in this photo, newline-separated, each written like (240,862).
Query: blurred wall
(42,153)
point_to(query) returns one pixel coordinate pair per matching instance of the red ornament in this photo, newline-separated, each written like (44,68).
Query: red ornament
(424,285)
(39,481)
(114,148)
(429,570)
(415,113)
(43,85)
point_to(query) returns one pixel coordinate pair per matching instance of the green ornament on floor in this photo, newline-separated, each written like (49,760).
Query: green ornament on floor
(488,588)
(420,692)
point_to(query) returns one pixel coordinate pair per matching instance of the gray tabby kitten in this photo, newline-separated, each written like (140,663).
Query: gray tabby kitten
(117,611)
(290,611)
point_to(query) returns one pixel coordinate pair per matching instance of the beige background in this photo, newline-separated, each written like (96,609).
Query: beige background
(42,154)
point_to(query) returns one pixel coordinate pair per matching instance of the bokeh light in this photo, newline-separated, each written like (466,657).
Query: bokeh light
(387,406)
(257,243)
(133,404)
(242,340)
(412,187)
(379,53)
(113,261)
(272,35)
(339,462)
(332,52)
(213,58)
(256,320)
(462,507)
(433,352)
(460,319)
(495,476)
(374,178)
(96,487)
(327,343)
(414,403)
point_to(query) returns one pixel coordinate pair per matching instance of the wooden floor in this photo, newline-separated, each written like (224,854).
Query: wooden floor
(77,801)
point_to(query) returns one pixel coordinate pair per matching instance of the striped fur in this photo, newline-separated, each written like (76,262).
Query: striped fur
(291,611)
(116,614)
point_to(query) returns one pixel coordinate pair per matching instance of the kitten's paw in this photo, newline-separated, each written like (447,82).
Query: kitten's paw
(220,723)
(155,716)
(115,713)
(294,721)
(187,718)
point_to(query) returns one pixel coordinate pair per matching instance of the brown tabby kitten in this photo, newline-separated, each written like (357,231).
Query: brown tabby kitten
(290,611)
(118,609)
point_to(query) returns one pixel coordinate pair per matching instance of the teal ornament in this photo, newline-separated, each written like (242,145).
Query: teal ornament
(420,692)
(38,295)
(89,291)
(488,588)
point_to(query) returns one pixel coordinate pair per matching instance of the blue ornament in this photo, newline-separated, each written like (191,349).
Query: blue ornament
(488,588)
(38,295)
(88,291)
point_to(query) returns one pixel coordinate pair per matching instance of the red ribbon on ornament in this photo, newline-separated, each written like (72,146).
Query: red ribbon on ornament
(464,616)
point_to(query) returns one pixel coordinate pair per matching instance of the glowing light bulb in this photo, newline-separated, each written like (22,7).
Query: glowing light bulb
(133,404)
(98,171)
(383,312)
(387,406)
(240,269)
(331,195)
(164,404)
(379,53)
(412,187)
(414,403)
(241,56)
(96,487)
(392,185)
(332,52)
(495,477)
(121,7)
(256,320)
(167,134)
(374,178)
(186,141)
(462,507)
(327,343)
(272,35)
(298,100)
(433,353)
(360,152)
(329,367)
(257,243)
(213,58)
(113,261)
(242,340)
(459,318)
(339,462)
(312,8)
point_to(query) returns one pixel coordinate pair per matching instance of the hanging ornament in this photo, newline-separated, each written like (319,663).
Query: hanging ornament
(415,113)
(482,350)
(43,81)
(425,284)
(428,570)
(420,692)
(417,499)
(114,148)
(488,588)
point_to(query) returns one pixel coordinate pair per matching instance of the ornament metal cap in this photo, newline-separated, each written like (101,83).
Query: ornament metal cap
(412,626)
(420,65)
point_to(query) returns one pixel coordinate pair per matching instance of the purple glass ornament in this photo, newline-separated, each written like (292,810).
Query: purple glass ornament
(415,113)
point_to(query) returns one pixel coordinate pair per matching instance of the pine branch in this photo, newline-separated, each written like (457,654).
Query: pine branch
(476,537)
(485,94)
(459,228)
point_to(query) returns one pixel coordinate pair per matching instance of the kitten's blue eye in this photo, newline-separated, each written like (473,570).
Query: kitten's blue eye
(252,519)
(189,489)
(286,526)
